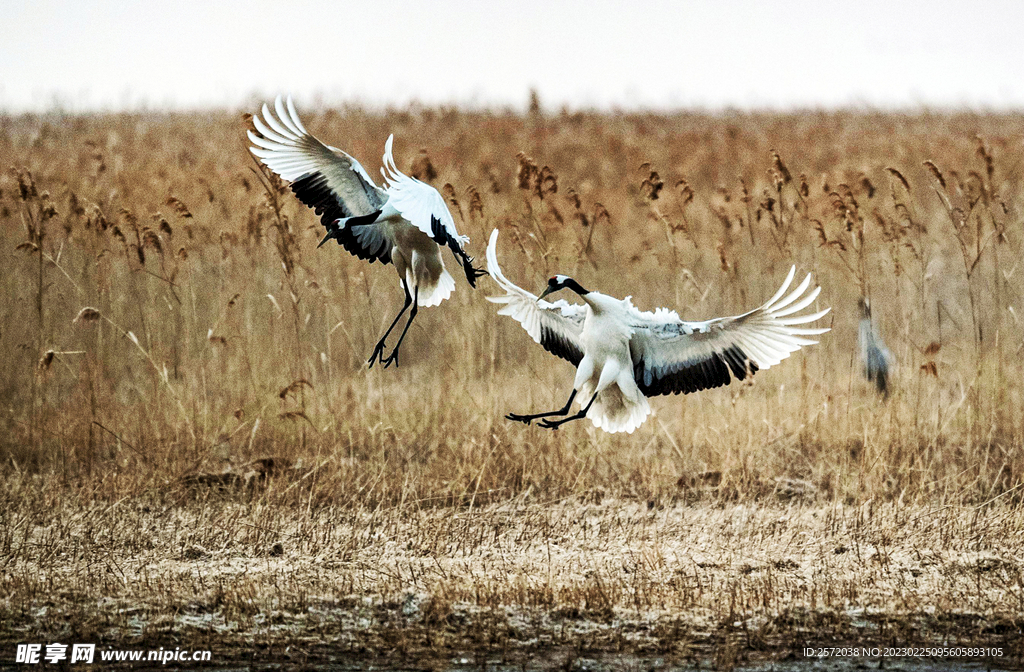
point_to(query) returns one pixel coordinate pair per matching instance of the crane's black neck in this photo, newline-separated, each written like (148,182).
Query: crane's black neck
(569,283)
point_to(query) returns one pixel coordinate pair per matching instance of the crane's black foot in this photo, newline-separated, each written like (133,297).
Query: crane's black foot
(378,353)
(472,273)
(392,359)
(515,417)
(553,424)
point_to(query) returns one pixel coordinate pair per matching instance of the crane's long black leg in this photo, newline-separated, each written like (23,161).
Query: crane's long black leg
(555,424)
(378,350)
(525,419)
(393,357)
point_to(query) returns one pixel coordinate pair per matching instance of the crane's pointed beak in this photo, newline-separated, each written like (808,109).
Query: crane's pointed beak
(330,234)
(547,290)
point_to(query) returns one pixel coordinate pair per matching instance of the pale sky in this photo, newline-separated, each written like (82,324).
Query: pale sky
(112,54)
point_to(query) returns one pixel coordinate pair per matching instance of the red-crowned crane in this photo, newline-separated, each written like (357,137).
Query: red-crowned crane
(405,224)
(623,356)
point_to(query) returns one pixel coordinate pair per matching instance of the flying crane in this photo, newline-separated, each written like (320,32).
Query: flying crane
(405,224)
(623,355)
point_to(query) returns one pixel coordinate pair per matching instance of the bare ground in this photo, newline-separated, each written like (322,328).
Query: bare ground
(515,583)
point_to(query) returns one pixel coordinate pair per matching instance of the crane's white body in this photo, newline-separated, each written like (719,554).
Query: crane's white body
(607,368)
(623,355)
(417,260)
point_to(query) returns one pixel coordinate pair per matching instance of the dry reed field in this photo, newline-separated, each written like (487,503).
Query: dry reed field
(194,451)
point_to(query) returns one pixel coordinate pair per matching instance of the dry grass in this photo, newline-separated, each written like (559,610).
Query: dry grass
(167,319)
(511,579)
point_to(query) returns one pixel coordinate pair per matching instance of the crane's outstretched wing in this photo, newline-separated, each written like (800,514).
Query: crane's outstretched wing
(672,356)
(424,208)
(555,325)
(326,179)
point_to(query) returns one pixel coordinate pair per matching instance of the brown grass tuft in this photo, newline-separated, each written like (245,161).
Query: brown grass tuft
(422,168)
(899,176)
(86,315)
(179,207)
(936,173)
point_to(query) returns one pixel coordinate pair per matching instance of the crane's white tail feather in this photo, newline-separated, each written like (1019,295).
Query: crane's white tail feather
(615,411)
(620,407)
(433,295)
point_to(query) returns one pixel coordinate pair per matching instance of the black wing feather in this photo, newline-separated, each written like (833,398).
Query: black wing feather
(560,347)
(313,191)
(439,234)
(705,373)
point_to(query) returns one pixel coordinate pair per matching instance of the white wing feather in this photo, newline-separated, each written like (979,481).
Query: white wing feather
(287,148)
(673,355)
(415,201)
(555,325)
